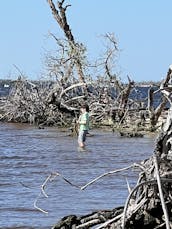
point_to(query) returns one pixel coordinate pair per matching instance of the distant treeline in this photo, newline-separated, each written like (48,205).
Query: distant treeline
(7,84)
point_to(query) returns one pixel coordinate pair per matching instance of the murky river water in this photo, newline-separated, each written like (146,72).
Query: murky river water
(28,155)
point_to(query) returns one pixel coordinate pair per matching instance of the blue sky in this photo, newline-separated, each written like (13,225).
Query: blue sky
(142,29)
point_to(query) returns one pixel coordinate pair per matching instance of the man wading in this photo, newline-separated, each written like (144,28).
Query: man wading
(83,122)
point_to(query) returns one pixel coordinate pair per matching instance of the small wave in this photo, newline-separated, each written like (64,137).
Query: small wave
(18,210)
(16,158)
(22,227)
(19,227)
(5,184)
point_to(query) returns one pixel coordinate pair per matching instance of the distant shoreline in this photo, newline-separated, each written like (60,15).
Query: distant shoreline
(140,84)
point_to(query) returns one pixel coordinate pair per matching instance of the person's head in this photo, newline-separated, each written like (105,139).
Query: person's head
(84,108)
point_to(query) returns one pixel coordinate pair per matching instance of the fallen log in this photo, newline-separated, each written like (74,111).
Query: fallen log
(90,220)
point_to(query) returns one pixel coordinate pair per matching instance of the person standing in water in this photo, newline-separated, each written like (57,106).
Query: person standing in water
(83,122)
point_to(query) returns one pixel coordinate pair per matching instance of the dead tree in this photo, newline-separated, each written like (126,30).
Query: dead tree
(155,112)
(72,58)
(121,99)
(59,14)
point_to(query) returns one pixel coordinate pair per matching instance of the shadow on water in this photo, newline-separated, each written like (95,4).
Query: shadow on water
(28,155)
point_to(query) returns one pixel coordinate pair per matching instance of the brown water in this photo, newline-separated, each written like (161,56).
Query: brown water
(28,155)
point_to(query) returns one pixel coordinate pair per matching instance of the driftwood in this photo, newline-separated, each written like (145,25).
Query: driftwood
(53,103)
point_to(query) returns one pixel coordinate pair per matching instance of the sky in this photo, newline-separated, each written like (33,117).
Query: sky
(142,28)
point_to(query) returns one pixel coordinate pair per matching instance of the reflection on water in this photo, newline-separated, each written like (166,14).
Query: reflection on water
(28,155)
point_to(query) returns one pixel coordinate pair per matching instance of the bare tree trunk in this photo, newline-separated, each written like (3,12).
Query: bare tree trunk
(155,113)
(124,99)
(60,16)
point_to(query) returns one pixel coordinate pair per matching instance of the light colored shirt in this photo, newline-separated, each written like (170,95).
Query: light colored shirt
(84,121)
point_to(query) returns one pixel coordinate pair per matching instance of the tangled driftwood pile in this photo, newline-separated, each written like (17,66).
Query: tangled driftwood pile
(56,103)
